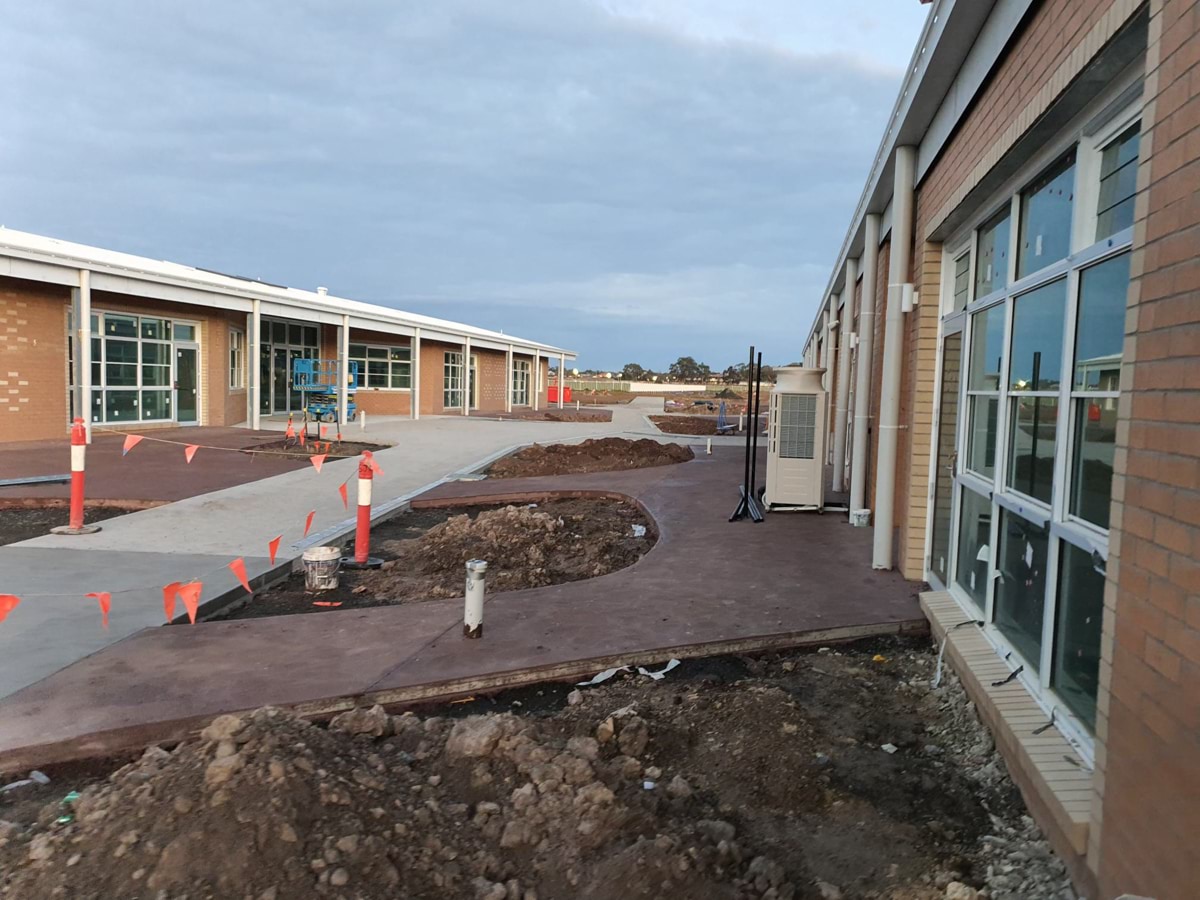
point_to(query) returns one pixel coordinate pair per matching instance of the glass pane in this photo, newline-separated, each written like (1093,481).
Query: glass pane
(97,359)
(358,351)
(1079,612)
(1045,235)
(974,535)
(95,323)
(311,337)
(1021,587)
(97,406)
(377,353)
(943,483)
(156,404)
(156,354)
(120,406)
(120,326)
(400,354)
(296,335)
(981,441)
(962,281)
(154,329)
(1033,427)
(1118,183)
(991,258)
(185,332)
(987,345)
(156,375)
(1037,337)
(1092,462)
(121,374)
(400,377)
(279,332)
(377,374)
(1100,331)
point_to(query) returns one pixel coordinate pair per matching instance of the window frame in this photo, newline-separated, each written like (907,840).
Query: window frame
(100,388)
(521,377)
(364,360)
(237,359)
(449,367)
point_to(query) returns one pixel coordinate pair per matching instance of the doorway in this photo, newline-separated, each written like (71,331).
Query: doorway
(187,388)
(946,458)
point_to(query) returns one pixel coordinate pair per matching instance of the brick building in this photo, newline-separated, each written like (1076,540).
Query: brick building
(1012,333)
(172,344)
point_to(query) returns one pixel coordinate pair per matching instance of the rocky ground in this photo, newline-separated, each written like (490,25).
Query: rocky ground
(424,553)
(811,774)
(594,455)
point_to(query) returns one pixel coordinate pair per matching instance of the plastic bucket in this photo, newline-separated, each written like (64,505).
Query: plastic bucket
(321,568)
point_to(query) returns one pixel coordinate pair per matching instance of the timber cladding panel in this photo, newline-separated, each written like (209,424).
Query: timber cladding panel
(1143,837)
(33,360)
(493,380)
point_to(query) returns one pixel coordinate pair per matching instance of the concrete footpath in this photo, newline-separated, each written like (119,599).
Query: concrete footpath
(194,539)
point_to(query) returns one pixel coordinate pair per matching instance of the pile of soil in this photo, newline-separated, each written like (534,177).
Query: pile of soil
(20,523)
(686,424)
(728,394)
(729,778)
(594,455)
(525,547)
(554,414)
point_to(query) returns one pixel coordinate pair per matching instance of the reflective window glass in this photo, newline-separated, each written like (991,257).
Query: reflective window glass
(1032,429)
(991,255)
(1100,325)
(120,406)
(120,326)
(1118,183)
(981,439)
(1037,338)
(1021,588)
(156,405)
(974,552)
(962,281)
(987,346)
(1075,675)
(154,329)
(185,332)
(1045,235)
(1092,460)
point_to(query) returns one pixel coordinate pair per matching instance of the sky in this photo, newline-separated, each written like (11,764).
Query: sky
(636,180)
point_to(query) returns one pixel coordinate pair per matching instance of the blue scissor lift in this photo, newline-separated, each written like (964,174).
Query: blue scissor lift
(317,381)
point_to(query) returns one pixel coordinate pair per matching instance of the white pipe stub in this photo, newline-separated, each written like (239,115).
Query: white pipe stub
(475,589)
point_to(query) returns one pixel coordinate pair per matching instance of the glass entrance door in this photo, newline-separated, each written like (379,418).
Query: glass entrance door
(947,457)
(280,381)
(187,400)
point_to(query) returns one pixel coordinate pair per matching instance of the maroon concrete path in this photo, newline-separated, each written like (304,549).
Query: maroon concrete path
(151,470)
(708,586)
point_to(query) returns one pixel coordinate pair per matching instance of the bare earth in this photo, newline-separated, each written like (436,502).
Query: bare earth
(594,455)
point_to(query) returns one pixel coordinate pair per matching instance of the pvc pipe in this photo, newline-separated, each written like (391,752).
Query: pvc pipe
(576,406)
(893,347)
(78,458)
(362,420)
(864,364)
(843,378)
(473,606)
(708,447)
(740,415)
(253,372)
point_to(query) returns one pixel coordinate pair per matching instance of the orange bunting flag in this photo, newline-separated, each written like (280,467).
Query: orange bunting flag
(327,603)
(342,491)
(302,439)
(238,568)
(8,602)
(324,428)
(131,441)
(104,598)
(308,522)
(370,458)
(274,548)
(317,461)
(291,432)
(169,592)
(190,450)
(190,593)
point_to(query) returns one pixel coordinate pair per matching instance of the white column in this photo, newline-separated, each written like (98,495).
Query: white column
(562,378)
(343,364)
(83,328)
(466,397)
(537,378)
(508,391)
(843,377)
(864,361)
(254,371)
(415,379)
(893,350)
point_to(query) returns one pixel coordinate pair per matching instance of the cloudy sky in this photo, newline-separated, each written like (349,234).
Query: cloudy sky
(634,179)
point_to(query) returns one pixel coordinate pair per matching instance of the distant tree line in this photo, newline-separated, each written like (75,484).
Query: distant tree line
(685,370)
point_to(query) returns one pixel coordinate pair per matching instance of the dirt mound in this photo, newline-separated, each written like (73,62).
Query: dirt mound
(525,547)
(728,394)
(594,455)
(267,806)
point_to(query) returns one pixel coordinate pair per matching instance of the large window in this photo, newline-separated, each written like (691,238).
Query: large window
(452,381)
(237,358)
(383,367)
(520,382)
(131,367)
(1039,410)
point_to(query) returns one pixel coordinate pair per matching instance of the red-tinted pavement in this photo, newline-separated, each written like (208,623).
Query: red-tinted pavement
(151,471)
(708,586)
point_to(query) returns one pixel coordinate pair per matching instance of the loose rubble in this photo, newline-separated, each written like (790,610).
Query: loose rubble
(593,455)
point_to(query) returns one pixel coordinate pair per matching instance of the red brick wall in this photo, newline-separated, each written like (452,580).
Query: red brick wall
(33,360)
(1151,754)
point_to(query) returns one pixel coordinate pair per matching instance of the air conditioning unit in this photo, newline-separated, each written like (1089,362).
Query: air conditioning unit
(796,440)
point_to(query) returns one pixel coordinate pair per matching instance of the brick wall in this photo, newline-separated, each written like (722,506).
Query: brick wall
(33,360)
(493,380)
(1148,729)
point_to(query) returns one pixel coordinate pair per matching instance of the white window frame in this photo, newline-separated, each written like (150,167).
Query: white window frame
(522,377)
(452,364)
(237,359)
(365,359)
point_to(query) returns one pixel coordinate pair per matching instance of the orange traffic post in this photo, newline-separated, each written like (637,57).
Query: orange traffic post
(362,558)
(78,459)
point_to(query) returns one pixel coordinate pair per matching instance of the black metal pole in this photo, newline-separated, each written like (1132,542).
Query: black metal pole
(754,445)
(749,428)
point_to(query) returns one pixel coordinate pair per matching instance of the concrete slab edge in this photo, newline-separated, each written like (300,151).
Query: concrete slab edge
(132,739)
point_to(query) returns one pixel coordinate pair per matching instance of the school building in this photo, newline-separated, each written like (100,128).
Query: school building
(128,342)
(1012,342)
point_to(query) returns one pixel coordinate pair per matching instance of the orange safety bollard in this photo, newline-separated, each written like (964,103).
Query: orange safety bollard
(78,458)
(362,558)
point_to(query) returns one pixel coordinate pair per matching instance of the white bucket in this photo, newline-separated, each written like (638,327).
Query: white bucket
(860,518)
(321,568)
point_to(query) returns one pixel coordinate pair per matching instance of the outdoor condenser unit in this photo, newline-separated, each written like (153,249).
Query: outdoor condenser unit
(796,440)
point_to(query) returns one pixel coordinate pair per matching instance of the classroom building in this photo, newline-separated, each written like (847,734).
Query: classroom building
(1012,342)
(128,342)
